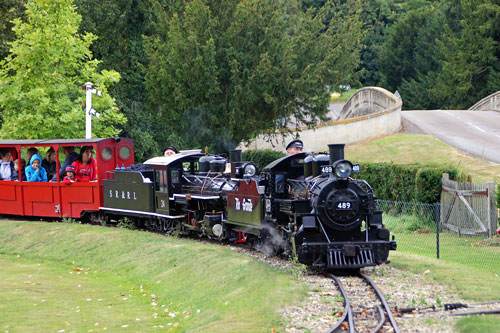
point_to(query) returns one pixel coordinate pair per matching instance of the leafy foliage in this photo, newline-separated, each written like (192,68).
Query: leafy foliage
(261,157)
(121,27)
(226,71)
(407,183)
(9,10)
(41,79)
(410,49)
(471,67)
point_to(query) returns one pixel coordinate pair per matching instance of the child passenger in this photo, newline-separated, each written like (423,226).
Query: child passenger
(70,175)
(35,172)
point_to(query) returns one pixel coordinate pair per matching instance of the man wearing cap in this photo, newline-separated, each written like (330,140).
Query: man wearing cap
(294,147)
(169,151)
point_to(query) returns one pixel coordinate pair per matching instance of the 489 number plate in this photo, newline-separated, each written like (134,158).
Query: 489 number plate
(343,205)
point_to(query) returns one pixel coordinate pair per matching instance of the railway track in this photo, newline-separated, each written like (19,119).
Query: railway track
(365,307)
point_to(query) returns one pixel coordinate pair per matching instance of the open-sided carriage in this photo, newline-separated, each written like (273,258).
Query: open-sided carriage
(54,198)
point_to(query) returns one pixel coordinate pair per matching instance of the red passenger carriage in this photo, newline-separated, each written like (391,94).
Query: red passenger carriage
(55,199)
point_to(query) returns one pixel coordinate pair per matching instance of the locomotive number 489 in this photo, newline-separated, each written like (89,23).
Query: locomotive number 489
(344,205)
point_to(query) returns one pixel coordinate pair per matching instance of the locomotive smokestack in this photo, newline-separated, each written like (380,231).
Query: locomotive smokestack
(336,152)
(235,159)
(235,155)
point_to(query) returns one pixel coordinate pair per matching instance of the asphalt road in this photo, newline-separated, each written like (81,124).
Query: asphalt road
(475,132)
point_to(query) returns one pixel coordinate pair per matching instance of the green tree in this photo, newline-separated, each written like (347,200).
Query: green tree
(224,71)
(424,59)
(121,27)
(9,10)
(471,66)
(41,79)
(411,47)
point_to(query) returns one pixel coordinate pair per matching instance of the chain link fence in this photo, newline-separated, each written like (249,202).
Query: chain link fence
(462,239)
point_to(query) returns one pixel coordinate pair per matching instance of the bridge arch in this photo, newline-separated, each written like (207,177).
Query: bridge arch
(370,100)
(489,103)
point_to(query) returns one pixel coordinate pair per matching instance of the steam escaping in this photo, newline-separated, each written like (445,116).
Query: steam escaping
(271,242)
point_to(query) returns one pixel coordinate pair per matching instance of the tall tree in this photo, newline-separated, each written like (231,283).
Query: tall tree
(121,27)
(9,10)
(225,71)
(41,79)
(411,47)
(471,65)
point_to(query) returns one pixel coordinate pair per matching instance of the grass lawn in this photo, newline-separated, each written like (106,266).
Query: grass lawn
(343,96)
(59,276)
(404,148)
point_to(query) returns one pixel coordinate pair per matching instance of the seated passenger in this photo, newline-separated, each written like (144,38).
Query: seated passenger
(16,170)
(6,165)
(23,167)
(35,172)
(169,151)
(70,175)
(71,156)
(50,164)
(31,151)
(85,166)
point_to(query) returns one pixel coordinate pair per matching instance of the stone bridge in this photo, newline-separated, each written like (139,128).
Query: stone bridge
(371,112)
(489,103)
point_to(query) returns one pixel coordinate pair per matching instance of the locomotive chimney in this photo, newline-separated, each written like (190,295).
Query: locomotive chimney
(336,152)
(235,159)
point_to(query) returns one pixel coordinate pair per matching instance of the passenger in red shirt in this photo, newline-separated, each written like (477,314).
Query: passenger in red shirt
(85,166)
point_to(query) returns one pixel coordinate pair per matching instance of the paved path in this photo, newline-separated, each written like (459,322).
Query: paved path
(475,132)
(334,111)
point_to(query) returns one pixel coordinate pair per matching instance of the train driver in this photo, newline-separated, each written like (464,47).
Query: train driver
(294,147)
(169,151)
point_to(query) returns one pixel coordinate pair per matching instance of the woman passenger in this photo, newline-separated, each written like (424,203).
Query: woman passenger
(49,163)
(85,166)
(35,172)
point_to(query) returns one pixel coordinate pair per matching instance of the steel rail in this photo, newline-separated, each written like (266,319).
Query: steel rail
(347,315)
(381,320)
(384,302)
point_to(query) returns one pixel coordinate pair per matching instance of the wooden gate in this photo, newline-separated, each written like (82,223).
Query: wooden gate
(468,208)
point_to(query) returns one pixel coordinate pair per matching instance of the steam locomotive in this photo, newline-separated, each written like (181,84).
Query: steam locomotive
(305,205)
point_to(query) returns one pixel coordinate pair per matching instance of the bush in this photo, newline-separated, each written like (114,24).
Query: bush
(407,183)
(261,157)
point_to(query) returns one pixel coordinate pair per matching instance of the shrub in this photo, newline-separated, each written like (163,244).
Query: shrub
(407,183)
(261,157)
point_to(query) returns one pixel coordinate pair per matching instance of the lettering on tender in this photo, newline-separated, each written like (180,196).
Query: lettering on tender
(244,205)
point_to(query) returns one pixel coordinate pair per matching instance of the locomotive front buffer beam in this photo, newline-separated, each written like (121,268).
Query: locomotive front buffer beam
(342,255)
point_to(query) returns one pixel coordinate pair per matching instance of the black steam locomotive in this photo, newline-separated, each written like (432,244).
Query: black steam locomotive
(305,205)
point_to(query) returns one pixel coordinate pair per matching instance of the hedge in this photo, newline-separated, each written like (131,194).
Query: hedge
(261,157)
(406,183)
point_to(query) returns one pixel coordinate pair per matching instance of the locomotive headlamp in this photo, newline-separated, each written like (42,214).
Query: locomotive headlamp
(249,170)
(343,169)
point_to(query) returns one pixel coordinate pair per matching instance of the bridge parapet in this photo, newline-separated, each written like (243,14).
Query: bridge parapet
(489,103)
(372,111)
(369,100)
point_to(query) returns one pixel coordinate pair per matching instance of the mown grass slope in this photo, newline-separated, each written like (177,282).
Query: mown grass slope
(143,280)
(404,148)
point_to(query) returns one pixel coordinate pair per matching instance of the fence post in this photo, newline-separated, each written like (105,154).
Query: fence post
(437,217)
